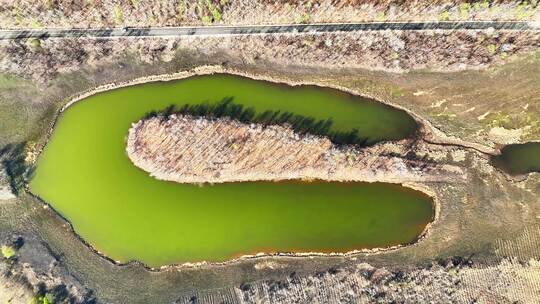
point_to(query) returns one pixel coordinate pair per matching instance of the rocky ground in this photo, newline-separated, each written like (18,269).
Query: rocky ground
(77,14)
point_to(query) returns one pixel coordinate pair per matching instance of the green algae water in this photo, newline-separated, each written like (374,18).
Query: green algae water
(519,158)
(86,175)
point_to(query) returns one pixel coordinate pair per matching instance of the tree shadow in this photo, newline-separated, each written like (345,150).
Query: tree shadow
(299,123)
(18,171)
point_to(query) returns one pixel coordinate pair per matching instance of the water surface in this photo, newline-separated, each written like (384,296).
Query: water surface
(519,158)
(85,174)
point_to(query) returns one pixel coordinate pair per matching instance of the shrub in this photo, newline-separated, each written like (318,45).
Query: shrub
(12,157)
(216,14)
(34,44)
(444,16)
(46,299)
(492,48)
(118,15)
(8,252)
(464,10)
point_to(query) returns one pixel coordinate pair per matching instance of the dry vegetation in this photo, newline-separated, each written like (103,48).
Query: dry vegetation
(198,150)
(394,51)
(98,13)
(451,281)
(33,273)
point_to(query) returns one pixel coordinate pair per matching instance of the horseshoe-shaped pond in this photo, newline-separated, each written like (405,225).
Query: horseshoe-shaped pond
(86,176)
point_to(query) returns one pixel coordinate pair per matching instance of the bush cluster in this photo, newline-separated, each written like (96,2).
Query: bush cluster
(18,171)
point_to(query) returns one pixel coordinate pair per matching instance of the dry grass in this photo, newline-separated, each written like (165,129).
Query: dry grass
(64,13)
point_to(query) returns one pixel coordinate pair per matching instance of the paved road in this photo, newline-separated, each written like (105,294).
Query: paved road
(264,29)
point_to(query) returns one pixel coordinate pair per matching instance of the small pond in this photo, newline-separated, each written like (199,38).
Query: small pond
(519,158)
(85,174)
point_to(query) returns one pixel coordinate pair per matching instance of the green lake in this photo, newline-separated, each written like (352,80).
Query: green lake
(519,158)
(85,174)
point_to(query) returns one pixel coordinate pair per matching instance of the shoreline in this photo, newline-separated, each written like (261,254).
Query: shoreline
(425,129)
(260,255)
